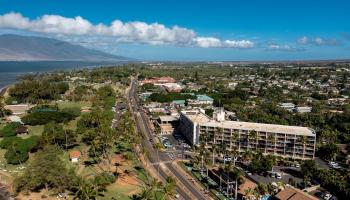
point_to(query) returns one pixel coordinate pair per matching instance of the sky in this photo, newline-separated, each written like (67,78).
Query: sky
(190,30)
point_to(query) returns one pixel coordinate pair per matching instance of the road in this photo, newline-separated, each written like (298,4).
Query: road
(161,161)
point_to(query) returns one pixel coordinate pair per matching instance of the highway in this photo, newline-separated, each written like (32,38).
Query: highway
(160,161)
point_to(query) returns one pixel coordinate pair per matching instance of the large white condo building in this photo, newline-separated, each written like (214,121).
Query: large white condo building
(286,141)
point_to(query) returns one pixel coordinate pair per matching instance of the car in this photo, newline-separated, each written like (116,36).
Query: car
(273,175)
(227,159)
(278,176)
(327,196)
(319,194)
(177,196)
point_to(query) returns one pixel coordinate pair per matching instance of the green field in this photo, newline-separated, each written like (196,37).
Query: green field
(70,104)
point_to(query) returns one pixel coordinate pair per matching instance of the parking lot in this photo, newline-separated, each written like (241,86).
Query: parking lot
(287,173)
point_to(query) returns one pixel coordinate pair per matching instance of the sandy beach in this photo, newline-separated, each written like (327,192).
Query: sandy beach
(3,89)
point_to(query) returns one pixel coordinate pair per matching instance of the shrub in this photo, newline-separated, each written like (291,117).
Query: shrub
(40,118)
(9,130)
(16,156)
(104,179)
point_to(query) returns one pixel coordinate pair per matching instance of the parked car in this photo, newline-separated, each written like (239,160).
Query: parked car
(227,159)
(327,196)
(278,176)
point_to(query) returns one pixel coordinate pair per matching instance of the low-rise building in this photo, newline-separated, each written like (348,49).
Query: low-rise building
(74,156)
(201,100)
(167,124)
(288,106)
(286,141)
(292,193)
(303,109)
(158,81)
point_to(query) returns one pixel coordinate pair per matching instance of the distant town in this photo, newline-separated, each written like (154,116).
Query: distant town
(218,130)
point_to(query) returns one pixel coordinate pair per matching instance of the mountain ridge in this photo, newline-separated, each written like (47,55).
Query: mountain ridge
(34,48)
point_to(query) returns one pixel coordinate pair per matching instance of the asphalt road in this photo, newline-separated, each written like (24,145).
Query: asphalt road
(161,161)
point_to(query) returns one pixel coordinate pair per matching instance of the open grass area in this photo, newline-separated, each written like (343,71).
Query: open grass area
(72,125)
(71,104)
(9,169)
(35,130)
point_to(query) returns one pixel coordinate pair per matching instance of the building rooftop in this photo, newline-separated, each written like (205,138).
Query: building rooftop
(202,119)
(168,118)
(202,97)
(291,193)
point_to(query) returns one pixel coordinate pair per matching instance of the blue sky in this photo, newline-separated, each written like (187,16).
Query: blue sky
(190,30)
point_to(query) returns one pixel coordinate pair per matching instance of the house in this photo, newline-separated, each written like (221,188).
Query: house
(292,193)
(303,109)
(179,103)
(74,156)
(287,106)
(201,100)
(14,118)
(22,130)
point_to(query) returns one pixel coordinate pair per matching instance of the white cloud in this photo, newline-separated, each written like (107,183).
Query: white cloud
(317,41)
(139,32)
(303,40)
(278,47)
(210,42)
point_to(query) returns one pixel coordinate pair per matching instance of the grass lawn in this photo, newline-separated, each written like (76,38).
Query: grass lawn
(70,104)
(72,125)
(35,130)
(8,168)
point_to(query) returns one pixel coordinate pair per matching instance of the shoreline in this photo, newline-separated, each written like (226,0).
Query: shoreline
(3,89)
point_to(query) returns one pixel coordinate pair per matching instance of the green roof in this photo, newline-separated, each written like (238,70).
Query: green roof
(179,102)
(202,97)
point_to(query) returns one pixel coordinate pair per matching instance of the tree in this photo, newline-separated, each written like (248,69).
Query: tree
(253,136)
(169,188)
(272,140)
(45,170)
(303,140)
(9,130)
(15,156)
(85,189)
(329,151)
(308,167)
(55,134)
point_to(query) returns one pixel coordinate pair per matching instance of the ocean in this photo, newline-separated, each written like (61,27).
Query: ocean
(10,71)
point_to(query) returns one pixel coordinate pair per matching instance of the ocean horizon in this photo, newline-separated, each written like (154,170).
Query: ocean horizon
(11,70)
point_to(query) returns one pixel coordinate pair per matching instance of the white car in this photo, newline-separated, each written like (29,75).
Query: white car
(327,196)
(227,159)
(278,176)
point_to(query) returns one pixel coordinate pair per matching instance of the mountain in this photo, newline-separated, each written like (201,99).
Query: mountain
(32,48)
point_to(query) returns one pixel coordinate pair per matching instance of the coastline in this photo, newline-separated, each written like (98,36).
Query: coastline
(3,89)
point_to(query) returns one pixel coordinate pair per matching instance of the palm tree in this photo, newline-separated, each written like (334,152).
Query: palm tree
(234,138)
(234,154)
(227,169)
(85,189)
(272,140)
(247,156)
(251,194)
(253,135)
(169,188)
(213,150)
(203,154)
(303,141)
(223,150)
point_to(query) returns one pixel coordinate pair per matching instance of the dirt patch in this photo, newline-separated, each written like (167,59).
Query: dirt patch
(44,194)
(127,179)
